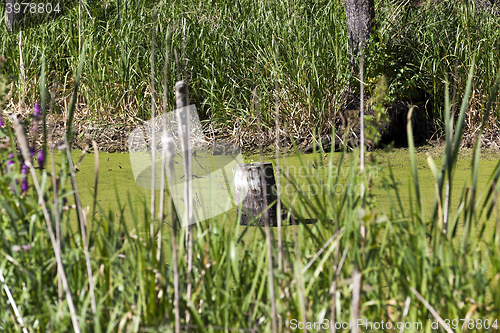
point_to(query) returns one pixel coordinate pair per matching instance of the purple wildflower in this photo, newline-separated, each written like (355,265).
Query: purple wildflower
(11,159)
(25,169)
(38,111)
(36,117)
(1,122)
(32,151)
(41,159)
(24,183)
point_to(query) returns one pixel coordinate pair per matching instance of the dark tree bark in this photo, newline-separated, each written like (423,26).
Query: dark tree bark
(360,15)
(11,18)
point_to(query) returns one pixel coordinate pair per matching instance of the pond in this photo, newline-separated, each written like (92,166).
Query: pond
(116,178)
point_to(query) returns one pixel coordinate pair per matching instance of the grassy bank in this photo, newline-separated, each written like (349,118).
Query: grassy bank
(233,47)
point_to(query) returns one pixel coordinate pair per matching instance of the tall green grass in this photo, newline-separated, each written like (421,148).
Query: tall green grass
(232,48)
(354,262)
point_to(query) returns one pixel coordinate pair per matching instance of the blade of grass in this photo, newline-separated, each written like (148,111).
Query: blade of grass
(96,174)
(69,133)
(413,161)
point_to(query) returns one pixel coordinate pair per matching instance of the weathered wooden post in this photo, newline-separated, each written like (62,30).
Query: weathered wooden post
(248,191)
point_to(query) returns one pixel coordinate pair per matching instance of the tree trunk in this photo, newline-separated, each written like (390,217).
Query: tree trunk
(11,18)
(360,15)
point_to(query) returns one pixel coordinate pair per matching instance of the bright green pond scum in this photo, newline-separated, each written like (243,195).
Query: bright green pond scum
(115,171)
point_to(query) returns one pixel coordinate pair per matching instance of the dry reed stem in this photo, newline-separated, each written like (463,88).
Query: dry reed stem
(13,303)
(356,297)
(299,274)
(185,79)
(161,215)
(82,155)
(316,256)
(405,312)
(278,182)
(83,227)
(164,149)
(58,222)
(21,67)
(169,146)
(79,26)
(333,288)
(153,139)
(265,217)
(190,197)
(495,203)
(286,254)
(56,204)
(184,124)
(431,310)
(362,114)
(27,158)
(356,275)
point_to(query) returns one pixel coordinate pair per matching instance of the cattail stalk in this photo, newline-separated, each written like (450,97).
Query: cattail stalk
(278,182)
(265,217)
(164,149)
(153,139)
(184,124)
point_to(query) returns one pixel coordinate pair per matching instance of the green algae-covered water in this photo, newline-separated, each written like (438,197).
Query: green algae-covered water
(116,178)
(118,185)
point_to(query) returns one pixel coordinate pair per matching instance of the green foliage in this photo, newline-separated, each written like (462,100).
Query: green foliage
(375,122)
(401,253)
(451,259)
